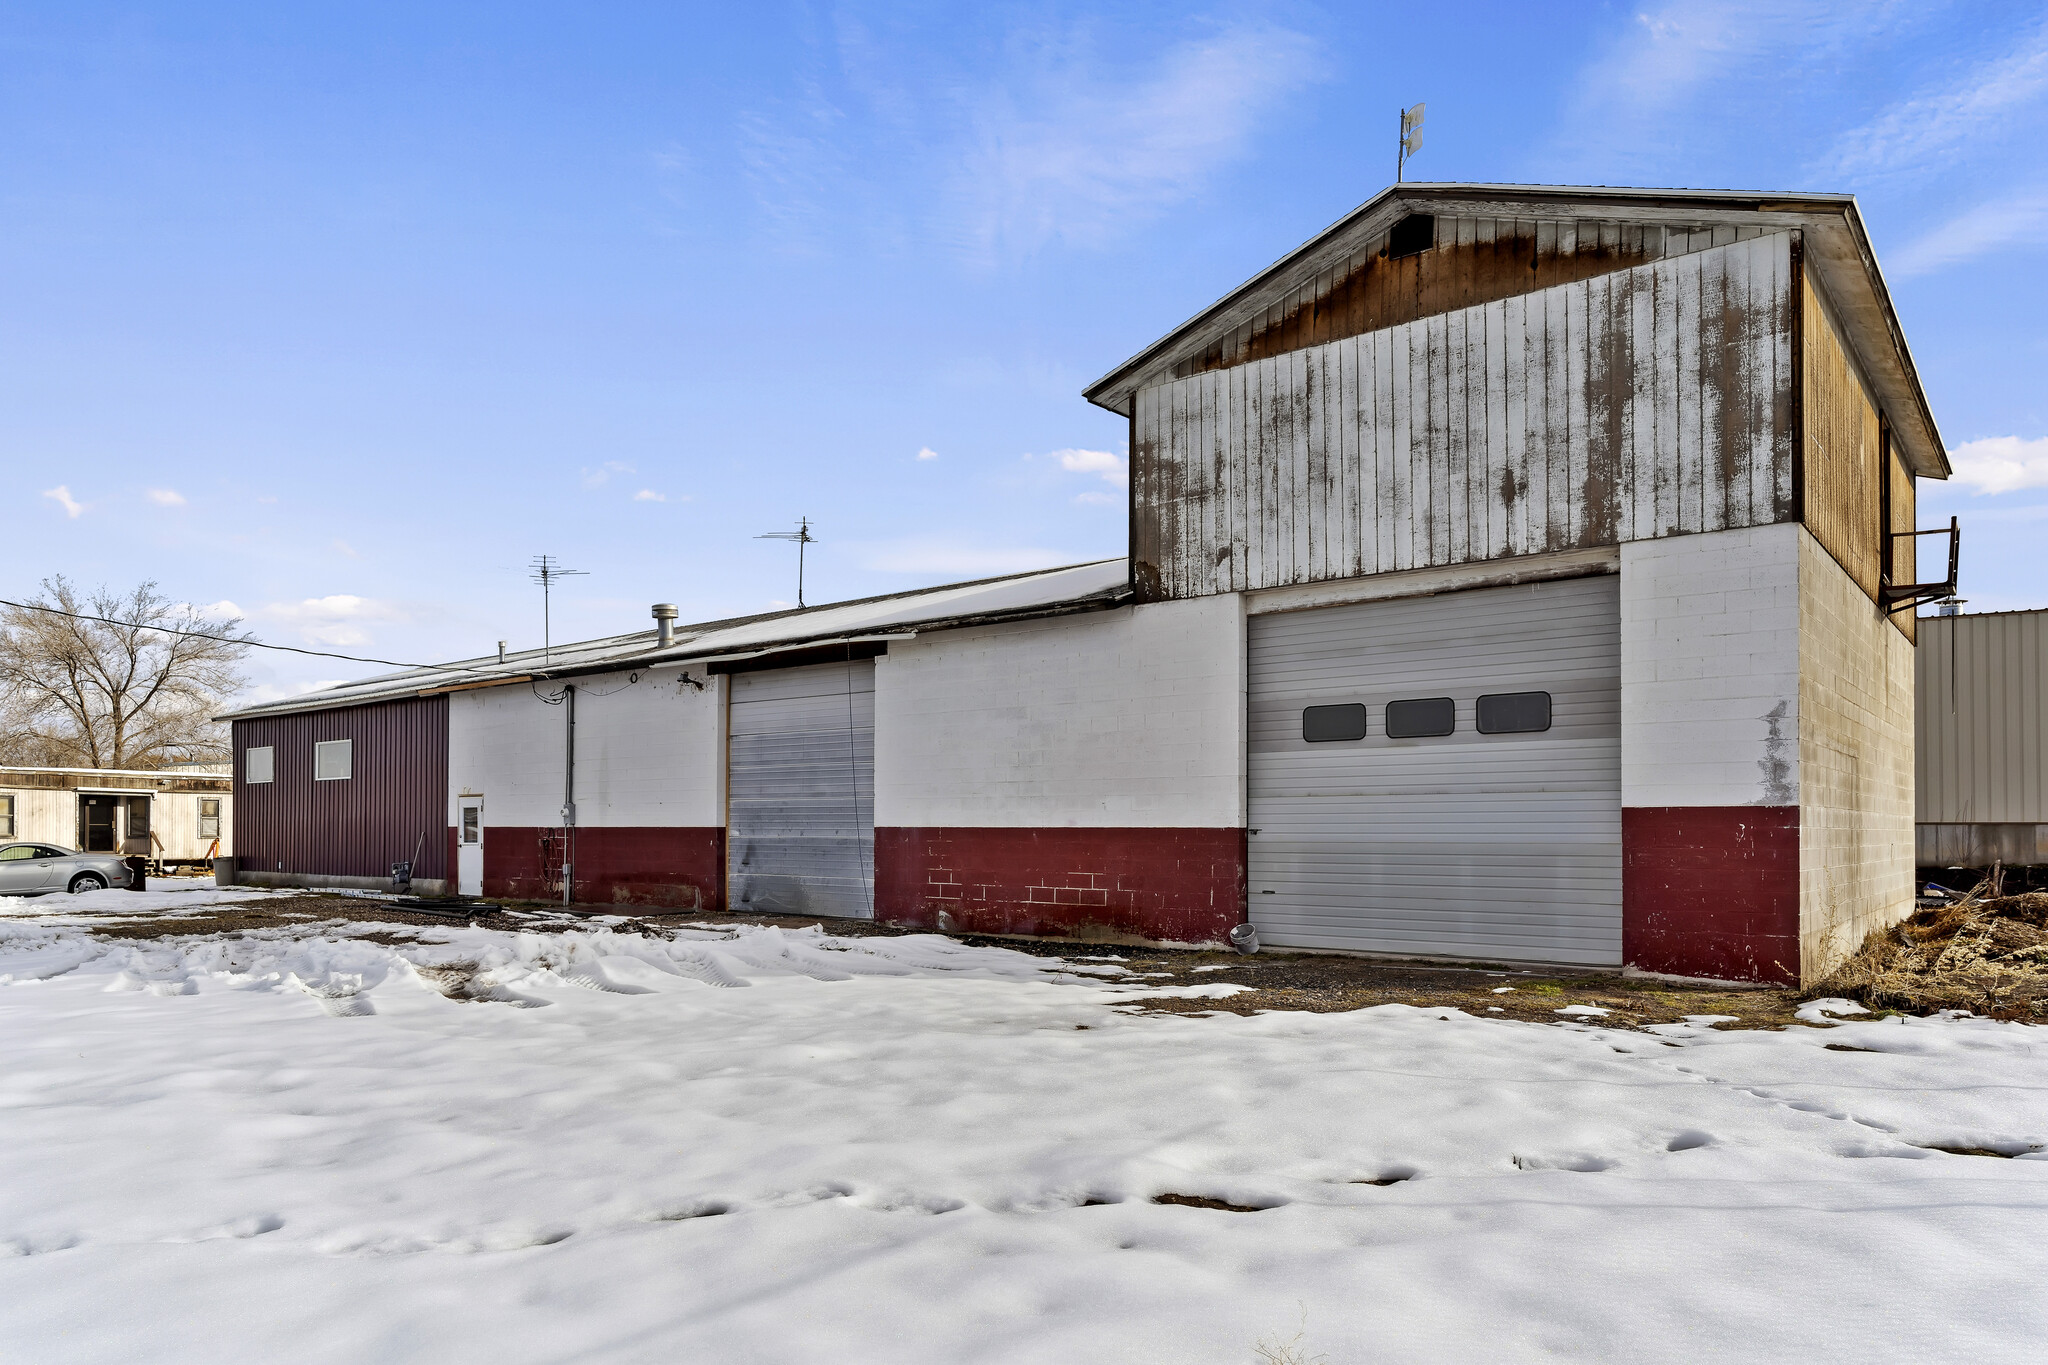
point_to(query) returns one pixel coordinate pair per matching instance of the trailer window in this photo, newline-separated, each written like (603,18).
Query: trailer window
(6,817)
(209,817)
(333,761)
(257,764)
(1424,718)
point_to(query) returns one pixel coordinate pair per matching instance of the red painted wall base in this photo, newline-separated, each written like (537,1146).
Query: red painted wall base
(1711,891)
(1176,885)
(681,869)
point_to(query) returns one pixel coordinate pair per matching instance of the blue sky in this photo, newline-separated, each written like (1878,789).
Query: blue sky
(339,314)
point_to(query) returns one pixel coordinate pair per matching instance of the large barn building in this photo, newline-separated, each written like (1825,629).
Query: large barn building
(1515,573)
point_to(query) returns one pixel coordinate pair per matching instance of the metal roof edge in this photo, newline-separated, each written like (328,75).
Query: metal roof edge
(681,654)
(1925,447)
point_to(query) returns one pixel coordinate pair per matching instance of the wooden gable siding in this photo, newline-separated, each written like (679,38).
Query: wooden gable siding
(1647,402)
(1475,261)
(1844,457)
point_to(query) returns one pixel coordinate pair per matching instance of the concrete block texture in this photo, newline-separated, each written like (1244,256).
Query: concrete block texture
(649,753)
(1132,718)
(1855,764)
(1710,669)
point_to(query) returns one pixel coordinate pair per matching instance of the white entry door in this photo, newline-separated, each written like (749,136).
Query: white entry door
(1441,775)
(469,847)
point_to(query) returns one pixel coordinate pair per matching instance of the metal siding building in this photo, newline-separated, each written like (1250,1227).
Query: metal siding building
(392,806)
(1634,463)
(1981,695)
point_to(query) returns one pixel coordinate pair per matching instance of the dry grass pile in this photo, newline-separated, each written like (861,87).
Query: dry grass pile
(1985,955)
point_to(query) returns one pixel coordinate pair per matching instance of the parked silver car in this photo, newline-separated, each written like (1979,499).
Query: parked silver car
(38,869)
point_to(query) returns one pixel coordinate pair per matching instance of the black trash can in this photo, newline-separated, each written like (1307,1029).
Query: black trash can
(138,873)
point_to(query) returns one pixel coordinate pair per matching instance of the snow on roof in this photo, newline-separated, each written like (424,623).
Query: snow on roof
(1043,591)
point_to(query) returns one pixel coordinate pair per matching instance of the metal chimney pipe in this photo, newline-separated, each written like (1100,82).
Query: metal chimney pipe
(665,623)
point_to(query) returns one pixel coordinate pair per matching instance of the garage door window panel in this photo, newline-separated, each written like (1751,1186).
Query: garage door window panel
(1513,713)
(1325,724)
(1421,718)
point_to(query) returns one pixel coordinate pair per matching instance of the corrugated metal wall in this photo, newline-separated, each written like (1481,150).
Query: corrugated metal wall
(1649,402)
(394,807)
(1981,734)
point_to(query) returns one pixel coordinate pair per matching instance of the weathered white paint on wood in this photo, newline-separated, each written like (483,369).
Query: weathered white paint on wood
(1648,402)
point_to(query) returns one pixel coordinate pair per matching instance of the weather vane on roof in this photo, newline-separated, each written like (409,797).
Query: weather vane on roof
(802,536)
(545,570)
(1411,139)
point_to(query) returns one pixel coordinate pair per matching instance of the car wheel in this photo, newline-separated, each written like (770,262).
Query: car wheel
(87,881)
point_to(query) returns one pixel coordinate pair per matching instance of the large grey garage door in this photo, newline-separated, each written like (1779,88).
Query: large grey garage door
(800,799)
(1458,791)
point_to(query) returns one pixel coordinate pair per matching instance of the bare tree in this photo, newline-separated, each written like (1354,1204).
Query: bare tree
(114,693)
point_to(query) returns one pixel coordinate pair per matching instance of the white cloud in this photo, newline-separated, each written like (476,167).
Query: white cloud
(269,692)
(1935,126)
(959,559)
(335,621)
(602,475)
(1064,150)
(62,495)
(166,497)
(1110,467)
(346,548)
(2018,221)
(649,495)
(927,453)
(1667,79)
(2001,464)
(1097,499)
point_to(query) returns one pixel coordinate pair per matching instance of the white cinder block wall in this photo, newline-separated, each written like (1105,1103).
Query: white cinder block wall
(650,753)
(1126,718)
(1855,763)
(1710,693)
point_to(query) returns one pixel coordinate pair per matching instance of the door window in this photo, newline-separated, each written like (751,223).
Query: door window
(16,854)
(472,824)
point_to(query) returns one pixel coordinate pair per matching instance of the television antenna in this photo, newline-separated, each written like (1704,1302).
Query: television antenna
(544,570)
(1411,138)
(802,536)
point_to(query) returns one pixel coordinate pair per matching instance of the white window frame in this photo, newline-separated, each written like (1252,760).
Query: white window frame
(6,815)
(204,817)
(470,833)
(334,760)
(259,764)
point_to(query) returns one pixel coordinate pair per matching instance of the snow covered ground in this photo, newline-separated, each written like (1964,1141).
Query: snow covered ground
(782,1147)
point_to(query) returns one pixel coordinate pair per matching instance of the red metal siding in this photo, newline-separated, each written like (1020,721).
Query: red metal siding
(1173,885)
(394,807)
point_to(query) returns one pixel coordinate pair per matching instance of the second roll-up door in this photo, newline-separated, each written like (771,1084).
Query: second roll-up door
(1441,775)
(800,797)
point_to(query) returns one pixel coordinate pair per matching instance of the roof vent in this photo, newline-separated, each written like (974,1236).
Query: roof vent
(665,623)
(1411,236)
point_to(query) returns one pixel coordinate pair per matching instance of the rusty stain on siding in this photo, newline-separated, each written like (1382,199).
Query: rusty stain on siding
(1643,402)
